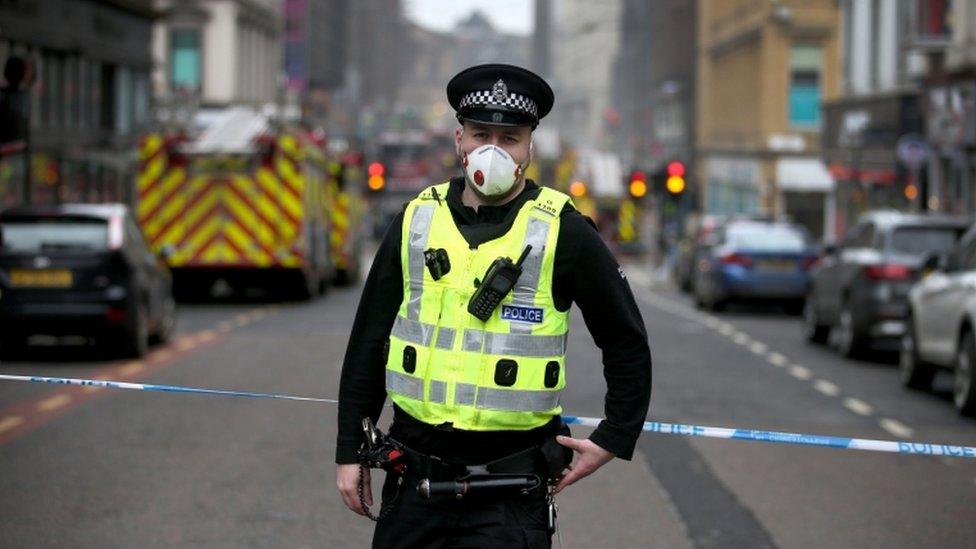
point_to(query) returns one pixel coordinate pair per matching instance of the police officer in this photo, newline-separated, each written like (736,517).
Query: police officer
(477,381)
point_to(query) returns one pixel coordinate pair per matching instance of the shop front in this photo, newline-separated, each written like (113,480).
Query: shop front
(860,143)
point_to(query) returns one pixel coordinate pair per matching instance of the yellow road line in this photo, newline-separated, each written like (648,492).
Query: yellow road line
(186,343)
(224,327)
(205,336)
(241,320)
(131,368)
(53,403)
(160,355)
(10,422)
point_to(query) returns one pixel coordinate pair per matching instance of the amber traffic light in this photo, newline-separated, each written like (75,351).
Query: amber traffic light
(675,183)
(376,182)
(638,184)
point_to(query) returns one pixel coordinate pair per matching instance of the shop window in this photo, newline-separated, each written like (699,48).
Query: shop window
(185,59)
(804,94)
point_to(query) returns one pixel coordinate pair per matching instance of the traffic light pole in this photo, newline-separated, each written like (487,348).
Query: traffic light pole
(27,149)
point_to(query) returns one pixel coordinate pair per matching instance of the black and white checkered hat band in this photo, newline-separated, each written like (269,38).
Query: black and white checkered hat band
(514,101)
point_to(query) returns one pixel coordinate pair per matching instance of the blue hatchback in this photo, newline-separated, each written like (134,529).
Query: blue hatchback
(750,260)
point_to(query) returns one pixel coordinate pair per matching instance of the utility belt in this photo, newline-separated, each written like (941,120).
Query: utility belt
(521,472)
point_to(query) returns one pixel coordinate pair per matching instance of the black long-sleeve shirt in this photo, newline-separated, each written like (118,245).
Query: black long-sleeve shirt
(585,273)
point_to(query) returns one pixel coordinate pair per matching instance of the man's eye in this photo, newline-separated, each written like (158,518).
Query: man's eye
(510,139)
(480,135)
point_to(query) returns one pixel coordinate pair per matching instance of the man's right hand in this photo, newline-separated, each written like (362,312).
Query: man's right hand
(347,480)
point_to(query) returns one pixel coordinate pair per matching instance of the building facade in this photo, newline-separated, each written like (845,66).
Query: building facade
(943,36)
(587,41)
(89,96)
(217,53)
(763,70)
(878,109)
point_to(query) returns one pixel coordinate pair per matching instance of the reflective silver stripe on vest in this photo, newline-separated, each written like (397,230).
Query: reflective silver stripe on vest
(445,338)
(472,340)
(413,331)
(517,400)
(528,283)
(419,231)
(464,394)
(437,392)
(518,345)
(405,385)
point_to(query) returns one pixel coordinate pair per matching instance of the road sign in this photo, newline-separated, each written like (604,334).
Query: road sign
(913,150)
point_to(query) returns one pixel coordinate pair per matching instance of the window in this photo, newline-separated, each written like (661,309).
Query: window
(43,234)
(805,62)
(933,20)
(185,59)
(920,240)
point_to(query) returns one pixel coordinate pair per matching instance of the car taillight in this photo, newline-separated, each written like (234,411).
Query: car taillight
(735,259)
(114,315)
(888,272)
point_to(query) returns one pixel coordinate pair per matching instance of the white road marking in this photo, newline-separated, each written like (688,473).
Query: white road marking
(823,386)
(826,387)
(896,428)
(800,372)
(858,406)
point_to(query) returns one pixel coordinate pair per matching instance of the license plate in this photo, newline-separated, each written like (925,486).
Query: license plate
(778,266)
(40,278)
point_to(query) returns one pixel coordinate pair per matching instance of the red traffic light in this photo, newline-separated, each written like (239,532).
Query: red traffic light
(375,169)
(676,169)
(638,175)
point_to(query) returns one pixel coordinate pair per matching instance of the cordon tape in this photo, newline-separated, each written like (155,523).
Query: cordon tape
(871,445)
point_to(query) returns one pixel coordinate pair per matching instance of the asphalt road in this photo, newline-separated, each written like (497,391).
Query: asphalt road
(111,468)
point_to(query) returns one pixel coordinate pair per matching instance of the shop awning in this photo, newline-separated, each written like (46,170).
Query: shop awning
(803,174)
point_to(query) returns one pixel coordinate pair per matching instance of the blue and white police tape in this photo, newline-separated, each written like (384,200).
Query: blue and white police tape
(871,445)
(105,384)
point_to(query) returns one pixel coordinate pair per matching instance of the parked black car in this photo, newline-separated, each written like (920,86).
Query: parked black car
(81,269)
(859,290)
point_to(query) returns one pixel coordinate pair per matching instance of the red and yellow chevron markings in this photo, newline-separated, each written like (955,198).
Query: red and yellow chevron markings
(224,218)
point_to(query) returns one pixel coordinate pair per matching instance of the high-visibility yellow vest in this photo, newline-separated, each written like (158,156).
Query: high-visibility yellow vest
(446,365)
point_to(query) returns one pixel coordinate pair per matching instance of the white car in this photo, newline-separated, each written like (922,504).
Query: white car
(941,327)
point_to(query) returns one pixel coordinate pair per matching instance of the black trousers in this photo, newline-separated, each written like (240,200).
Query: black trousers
(508,521)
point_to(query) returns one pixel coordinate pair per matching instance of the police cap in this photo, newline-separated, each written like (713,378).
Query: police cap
(500,95)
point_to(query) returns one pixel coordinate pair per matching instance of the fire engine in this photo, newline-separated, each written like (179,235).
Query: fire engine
(243,206)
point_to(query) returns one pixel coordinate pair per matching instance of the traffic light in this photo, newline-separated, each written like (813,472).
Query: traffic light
(638,184)
(577,189)
(376,181)
(675,183)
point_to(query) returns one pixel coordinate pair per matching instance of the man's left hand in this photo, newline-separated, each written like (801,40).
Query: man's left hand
(591,457)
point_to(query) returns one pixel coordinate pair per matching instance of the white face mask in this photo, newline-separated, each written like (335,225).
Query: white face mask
(491,171)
